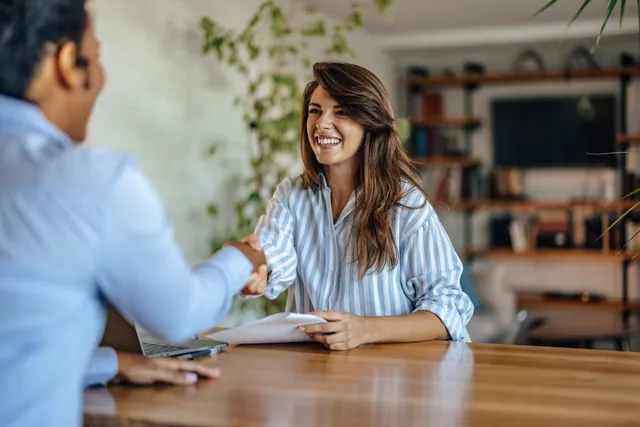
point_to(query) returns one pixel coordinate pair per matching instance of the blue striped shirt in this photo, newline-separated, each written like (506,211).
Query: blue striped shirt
(306,251)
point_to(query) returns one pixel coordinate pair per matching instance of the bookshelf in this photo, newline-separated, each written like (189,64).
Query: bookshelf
(439,121)
(524,77)
(538,205)
(446,161)
(468,123)
(530,300)
(589,255)
(629,139)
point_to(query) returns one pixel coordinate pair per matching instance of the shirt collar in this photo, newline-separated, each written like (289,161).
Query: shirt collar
(323,181)
(22,116)
(324,186)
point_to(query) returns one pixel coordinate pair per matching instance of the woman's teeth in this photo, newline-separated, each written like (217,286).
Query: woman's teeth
(328,141)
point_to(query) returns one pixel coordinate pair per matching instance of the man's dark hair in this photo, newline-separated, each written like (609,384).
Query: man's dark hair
(27,28)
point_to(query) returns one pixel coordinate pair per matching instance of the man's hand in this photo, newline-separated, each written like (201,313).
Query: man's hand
(137,369)
(250,248)
(343,331)
(257,283)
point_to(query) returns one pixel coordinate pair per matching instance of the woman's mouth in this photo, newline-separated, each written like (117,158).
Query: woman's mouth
(328,142)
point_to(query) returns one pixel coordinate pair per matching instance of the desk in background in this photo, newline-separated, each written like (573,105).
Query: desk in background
(574,324)
(423,384)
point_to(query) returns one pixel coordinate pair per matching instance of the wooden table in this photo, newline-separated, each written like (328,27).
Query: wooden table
(423,384)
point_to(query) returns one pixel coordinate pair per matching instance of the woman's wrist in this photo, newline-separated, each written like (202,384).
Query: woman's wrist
(372,330)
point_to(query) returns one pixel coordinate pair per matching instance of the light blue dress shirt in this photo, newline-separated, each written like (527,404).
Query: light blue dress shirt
(79,226)
(312,256)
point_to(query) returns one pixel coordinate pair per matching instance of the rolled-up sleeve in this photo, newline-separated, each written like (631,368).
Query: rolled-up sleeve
(102,368)
(433,271)
(275,229)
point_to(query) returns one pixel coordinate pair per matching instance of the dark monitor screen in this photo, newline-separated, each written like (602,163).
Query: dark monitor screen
(554,131)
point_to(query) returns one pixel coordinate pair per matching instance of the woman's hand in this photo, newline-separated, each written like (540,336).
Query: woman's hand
(257,284)
(343,331)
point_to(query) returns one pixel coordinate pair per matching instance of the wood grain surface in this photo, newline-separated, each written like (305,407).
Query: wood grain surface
(421,384)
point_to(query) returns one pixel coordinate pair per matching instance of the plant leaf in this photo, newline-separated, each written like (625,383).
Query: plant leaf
(627,212)
(623,4)
(317,29)
(612,5)
(255,197)
(633,237)
(383,5)
(545,7)
(634,192)
(356,19)
(586,2)
(638,3)
(212,209)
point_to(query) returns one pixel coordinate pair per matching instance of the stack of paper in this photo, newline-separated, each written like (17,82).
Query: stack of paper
(277,328)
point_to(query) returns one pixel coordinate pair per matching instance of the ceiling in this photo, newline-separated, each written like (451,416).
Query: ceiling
(411,16)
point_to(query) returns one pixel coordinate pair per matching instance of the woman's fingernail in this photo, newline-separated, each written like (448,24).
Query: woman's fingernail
(191,377)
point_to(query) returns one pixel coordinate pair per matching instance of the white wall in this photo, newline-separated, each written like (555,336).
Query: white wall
(558,184)
(165,103)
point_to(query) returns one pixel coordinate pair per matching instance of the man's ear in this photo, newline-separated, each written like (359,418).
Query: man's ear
(68,73)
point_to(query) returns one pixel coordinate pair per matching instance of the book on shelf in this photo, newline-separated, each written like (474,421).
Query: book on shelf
(454,185)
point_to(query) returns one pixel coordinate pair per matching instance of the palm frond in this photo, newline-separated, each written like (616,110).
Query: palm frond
(627,212)
(612,5)
(548,5)
(584,4)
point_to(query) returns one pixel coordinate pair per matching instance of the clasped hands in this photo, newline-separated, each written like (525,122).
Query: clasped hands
(250,248)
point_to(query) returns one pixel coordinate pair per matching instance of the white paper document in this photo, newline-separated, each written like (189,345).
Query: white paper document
(277,328)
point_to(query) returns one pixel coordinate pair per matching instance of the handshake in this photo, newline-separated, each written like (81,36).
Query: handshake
(250,248)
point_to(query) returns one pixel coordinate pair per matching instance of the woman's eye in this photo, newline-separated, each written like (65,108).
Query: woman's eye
(314,111)
(340,113)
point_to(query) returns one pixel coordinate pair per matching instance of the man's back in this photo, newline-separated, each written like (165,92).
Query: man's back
(52,201)
(79,226)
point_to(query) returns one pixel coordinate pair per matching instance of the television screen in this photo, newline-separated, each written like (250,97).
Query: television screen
(554,131)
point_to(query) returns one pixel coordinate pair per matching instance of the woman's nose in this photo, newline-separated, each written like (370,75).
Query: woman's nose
(324,122)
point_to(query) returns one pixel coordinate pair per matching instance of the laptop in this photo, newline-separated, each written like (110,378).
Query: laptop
(124,337)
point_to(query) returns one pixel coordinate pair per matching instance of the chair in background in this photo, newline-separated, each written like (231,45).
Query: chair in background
(497,319)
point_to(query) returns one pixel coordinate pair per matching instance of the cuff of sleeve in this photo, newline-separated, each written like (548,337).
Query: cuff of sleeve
(108,363)
(451,320)
(235,265)
(274,261)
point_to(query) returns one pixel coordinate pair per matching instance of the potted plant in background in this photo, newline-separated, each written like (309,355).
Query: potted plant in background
(271,53)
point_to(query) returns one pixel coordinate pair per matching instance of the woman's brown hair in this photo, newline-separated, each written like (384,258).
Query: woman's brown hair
(384,165)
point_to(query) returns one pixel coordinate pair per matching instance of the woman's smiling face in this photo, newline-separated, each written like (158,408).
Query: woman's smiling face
(334,137)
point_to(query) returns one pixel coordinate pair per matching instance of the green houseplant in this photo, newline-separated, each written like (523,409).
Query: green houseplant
(272,52)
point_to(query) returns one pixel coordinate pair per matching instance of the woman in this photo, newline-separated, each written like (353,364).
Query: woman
(354,237)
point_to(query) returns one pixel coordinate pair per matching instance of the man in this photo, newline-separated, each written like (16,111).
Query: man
(80,226)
